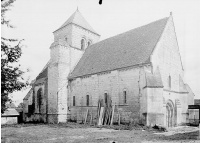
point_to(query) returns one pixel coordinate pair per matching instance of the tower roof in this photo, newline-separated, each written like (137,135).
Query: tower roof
(77,19)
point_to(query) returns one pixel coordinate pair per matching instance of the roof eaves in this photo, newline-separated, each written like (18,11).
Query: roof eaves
(159,39)
(79,76)
(78,26)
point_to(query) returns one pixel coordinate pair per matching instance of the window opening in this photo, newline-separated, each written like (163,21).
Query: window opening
(82,44)
(39,99)
(74,103)
(87,100)
(124,95)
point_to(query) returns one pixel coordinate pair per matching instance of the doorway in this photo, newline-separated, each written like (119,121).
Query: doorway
(169,114)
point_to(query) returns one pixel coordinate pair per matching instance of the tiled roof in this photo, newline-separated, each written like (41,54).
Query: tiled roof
(10,112)
(39,81)
(10,105)
(28,94)
(43,74)
(127,49)
(78,19)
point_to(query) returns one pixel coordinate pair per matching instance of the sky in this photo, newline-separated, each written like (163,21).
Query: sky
(35,20)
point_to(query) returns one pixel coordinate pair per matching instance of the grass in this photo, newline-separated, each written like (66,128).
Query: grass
(73,132)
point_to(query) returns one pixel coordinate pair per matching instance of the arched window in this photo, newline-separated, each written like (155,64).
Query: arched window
(82,44)
(169,82)
(89,43)
(124,97)
(39,99)
(87,100)
(106,98)
(32,107)
(74,102)
(66,39)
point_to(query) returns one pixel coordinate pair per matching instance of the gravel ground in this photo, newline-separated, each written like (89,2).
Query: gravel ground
(76,133)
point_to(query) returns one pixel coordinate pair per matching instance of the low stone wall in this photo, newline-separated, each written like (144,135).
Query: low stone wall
(8,120)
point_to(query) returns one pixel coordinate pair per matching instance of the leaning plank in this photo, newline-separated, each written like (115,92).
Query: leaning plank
(101,116)
(98,111)
(86,117)
(119,118)
(91,118)
(113,111)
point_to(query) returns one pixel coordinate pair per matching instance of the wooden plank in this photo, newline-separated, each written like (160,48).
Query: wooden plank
(86,117)
(98,111)
(119,119)
(113,112)
(110,116)
(101,117)
(91,118)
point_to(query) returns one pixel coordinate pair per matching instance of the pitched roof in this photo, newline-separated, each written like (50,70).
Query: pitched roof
(10,112)
(78,19)
(40,81)
(127,49)
(43,74)
(10,105)
(28,94)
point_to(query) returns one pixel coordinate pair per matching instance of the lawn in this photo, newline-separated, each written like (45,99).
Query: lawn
(75,133)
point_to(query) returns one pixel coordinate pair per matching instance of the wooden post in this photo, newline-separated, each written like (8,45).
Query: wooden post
(86,117)
(101,116)
(199,131)
(91,119)
(119,118)
(113,112)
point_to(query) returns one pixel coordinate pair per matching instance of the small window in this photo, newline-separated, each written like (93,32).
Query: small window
(124,96)
(31,108)
(39,99)
(87,100)
(82,44)
(89,43)
(169,82)
(106,98)
(74,101)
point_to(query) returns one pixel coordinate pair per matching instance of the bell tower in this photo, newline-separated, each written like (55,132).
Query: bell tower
(70,42)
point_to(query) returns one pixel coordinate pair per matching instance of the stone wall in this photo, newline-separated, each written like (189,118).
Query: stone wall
(64,33)
(113,83)
(166,56)
(57,83)
(79,33)
(33,114)
(8,120)
(65,53)
(154,107)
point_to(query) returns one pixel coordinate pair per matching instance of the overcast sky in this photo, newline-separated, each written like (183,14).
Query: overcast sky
(35,20)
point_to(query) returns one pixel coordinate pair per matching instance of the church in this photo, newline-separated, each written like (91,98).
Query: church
(140,71)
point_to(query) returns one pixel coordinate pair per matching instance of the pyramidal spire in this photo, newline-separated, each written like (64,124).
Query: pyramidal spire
(77,19)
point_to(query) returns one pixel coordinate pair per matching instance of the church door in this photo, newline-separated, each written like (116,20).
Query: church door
(169,115)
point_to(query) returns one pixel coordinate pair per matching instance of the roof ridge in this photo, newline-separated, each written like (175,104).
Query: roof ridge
(130,30)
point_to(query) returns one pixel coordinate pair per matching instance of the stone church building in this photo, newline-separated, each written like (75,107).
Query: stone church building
(139,70)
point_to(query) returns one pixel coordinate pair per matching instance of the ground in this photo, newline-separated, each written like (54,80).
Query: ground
(75,133)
